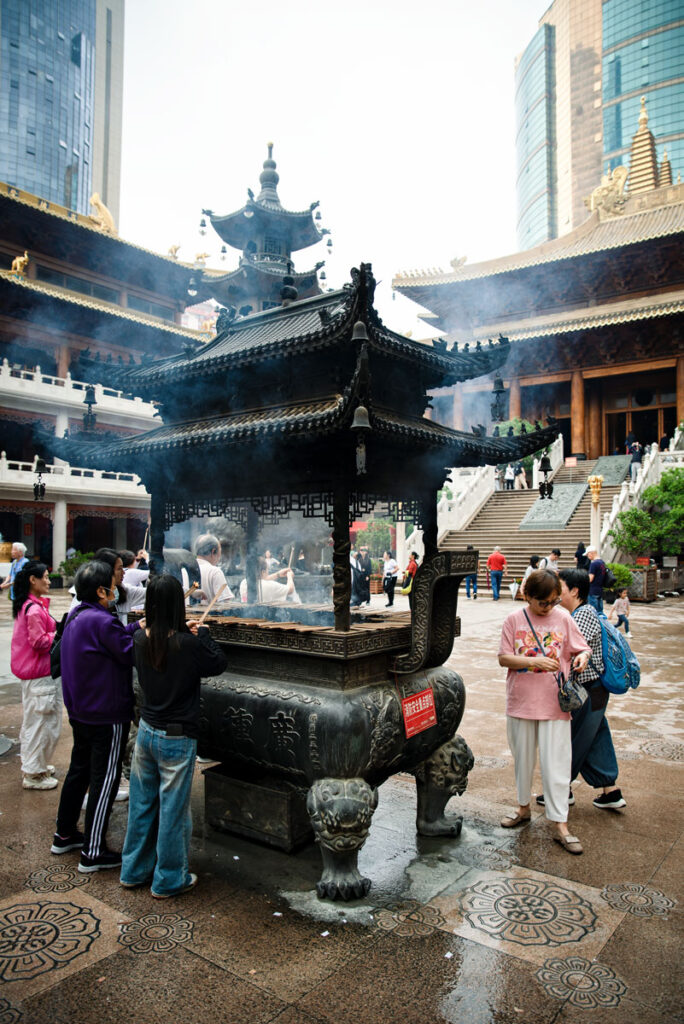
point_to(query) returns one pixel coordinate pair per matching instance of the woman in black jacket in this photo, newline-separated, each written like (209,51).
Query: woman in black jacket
(171,657)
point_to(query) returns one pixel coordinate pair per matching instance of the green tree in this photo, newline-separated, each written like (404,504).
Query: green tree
(376,536)
(657,528)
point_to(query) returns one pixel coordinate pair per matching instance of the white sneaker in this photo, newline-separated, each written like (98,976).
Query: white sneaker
(630,636)
(40,781)
(205,760)
(121,796)
(50,769)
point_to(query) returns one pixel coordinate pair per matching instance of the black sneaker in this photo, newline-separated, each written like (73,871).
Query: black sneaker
(108,859)
(62,844)
(540,799)
(610,801)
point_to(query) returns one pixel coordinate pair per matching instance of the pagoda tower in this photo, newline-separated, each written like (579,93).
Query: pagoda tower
(643,164)
(266,234)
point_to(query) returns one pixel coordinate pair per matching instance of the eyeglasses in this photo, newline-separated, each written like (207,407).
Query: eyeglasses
(547,604)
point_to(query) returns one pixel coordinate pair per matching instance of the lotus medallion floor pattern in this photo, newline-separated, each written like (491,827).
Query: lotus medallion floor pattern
(525,913)
(583,983)
(43,940)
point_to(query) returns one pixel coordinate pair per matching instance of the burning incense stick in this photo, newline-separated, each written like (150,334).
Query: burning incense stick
(213,601)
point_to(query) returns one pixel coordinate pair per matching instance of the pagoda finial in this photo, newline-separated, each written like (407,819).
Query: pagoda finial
(269,179)
(643,114)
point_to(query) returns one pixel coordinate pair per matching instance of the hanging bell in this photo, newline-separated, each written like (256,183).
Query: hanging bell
(361,421)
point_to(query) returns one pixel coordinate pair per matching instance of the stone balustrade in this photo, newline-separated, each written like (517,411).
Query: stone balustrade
(41,392)
(653,465)
(73,483)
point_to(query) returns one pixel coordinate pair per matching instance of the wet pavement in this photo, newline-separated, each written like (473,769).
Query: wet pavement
(492,926)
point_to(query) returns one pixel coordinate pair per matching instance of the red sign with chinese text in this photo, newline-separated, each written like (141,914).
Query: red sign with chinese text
(419,712)
(643,561)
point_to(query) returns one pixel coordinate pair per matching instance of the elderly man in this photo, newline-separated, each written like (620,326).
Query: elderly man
(208,554)
(19,560)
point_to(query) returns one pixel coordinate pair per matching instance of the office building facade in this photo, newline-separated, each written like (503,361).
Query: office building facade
(61,75)
(578,88)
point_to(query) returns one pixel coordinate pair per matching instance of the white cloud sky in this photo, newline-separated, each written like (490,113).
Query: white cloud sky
(398,115)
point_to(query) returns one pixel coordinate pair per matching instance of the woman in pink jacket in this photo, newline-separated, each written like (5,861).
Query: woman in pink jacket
(34,631)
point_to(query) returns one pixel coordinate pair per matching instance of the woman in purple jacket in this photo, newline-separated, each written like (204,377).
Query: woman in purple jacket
(97,658)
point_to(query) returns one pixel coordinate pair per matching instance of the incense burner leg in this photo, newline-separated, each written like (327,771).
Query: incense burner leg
(341,811)
(438,778)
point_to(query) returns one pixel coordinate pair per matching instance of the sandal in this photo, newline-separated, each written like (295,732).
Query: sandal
(512,820)
(570,843)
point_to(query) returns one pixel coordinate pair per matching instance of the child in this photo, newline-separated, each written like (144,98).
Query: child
(621,609)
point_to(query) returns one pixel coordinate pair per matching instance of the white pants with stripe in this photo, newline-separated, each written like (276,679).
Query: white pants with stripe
(41,722)
(555,758)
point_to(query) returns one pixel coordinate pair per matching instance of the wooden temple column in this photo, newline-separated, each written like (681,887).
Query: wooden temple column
(514,399)
(252,558)
(63,360)
(595,439)
(577,413)
(341,566)
(429,523)
(157,517)
(680,389)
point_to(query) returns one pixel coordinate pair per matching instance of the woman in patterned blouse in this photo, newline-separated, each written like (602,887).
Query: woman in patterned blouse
(593,753)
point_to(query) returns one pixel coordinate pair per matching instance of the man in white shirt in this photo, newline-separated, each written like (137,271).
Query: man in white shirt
(269,591)
(208,554)
(133,576)
(552,561)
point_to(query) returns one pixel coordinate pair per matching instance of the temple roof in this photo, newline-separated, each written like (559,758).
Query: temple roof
(238,228)
(593,236)
(297,422)
(308,325)
(21,294)
(48,229)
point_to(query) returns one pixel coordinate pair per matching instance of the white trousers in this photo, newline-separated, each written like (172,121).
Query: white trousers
(555,758)
(41,724)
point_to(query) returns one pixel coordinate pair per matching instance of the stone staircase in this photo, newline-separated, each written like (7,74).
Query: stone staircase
(499,519)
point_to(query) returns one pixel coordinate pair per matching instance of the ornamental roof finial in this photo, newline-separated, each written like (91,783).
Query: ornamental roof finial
(643,114)
(269,179)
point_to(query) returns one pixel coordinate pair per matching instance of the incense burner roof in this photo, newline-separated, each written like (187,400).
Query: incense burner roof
(314,324)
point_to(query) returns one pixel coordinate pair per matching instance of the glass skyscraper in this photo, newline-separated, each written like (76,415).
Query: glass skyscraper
(579,84)
(60,99)
(643,55)
(535,139)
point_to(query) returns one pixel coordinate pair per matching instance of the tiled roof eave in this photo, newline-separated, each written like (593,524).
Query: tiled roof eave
(593,321)
(559,250)
(63,295)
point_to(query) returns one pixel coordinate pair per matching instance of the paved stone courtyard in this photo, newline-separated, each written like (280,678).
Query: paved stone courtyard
(493,926)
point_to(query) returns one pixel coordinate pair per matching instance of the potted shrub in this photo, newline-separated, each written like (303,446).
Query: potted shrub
(70,566)
(623,578)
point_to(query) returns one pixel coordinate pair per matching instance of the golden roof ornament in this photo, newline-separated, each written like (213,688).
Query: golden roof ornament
(102,218)
(610,195)
(173,251)
(20,263)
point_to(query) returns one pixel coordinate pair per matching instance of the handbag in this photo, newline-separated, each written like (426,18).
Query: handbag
(55,649)
(571,693)
(406,584)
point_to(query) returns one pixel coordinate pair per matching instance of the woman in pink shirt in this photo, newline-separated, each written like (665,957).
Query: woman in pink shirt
(534,717)
(34,631)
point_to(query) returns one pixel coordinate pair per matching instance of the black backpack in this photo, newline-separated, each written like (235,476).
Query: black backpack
(609,579)
(55,652)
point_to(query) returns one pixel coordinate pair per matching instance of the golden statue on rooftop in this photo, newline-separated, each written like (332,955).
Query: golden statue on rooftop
(102,218)
(20,263)
(173,251)
(610,194)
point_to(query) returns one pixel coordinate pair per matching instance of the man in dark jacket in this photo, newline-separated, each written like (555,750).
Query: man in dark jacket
(96,659)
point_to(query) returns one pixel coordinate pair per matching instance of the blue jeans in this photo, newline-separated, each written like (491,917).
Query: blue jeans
(620,619)
(159,820)
(471,580)
(596,602)
(496,576)
(593,753)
